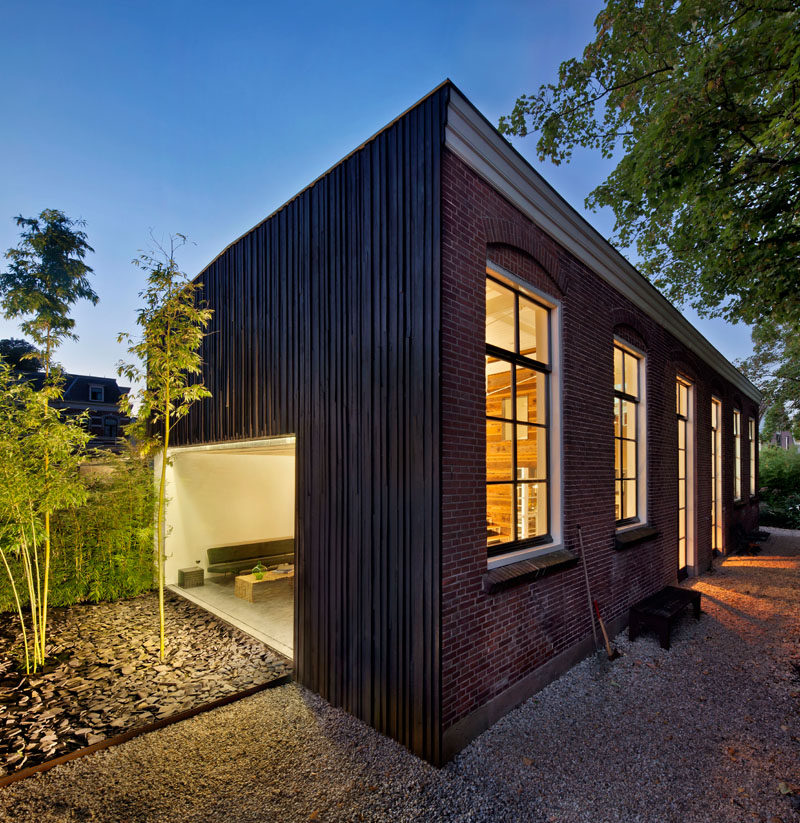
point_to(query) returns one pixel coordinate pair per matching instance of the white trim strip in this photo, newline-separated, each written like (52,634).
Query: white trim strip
(276,443)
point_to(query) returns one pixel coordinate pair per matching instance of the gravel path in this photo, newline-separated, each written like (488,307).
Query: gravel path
(709,731)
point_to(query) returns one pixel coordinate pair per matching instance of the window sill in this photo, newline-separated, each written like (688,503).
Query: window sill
(632,537)
(527,571)
(739,504)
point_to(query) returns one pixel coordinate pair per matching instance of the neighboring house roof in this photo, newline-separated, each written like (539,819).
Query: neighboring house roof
(478,143)
(86,391)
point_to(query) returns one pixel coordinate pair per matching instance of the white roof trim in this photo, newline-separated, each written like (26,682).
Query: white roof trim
(470,136)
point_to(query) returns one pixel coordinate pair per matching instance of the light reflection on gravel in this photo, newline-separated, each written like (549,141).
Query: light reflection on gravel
(706,732)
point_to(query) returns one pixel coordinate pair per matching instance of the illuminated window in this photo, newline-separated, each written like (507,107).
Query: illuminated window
(683,409)
(518,370)
(716,475)
(751,433)
(628,427)
(737,454)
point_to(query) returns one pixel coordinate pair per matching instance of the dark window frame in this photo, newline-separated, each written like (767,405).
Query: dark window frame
(514,359)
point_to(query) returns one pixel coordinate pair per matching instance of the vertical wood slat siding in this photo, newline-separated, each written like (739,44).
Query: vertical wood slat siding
(326,325)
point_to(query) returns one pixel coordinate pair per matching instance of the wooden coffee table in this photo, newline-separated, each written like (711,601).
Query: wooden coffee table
(247,587)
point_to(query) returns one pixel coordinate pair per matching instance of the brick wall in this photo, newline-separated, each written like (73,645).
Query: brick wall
(491,641)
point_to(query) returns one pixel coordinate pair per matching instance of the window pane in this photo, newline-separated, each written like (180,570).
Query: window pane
(531,396)
(533,328)
(681,495)
(499,514)
(499,457)
(532,504)
(683,400)
(498,385)
(618,370)
(618,500)
(499,316)
(628,419)
(617,459)
(681,435)
(681,465)
(617,404)
(628,458)
(630,498)
(531,453)
(631,375)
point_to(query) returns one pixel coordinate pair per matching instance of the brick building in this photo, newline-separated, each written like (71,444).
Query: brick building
(471,374)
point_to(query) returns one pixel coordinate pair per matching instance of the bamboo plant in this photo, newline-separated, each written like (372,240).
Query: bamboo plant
(172,322)
(46,275)
(28,495)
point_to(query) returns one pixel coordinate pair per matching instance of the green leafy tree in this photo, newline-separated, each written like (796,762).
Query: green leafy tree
(172,323)
(700,100)
(774,367)
(28,495)
(46,275)
(20,354)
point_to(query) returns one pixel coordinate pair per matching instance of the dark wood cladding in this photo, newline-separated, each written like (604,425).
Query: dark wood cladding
(326,325)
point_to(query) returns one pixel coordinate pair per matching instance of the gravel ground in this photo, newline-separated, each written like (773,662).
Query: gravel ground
(111,678)
(708,731)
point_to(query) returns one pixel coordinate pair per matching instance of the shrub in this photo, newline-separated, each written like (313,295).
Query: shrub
(103,550)
(780,488)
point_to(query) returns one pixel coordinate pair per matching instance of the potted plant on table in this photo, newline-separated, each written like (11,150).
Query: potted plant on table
(258,571)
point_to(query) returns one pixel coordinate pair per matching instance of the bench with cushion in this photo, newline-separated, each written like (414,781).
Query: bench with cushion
(237,557)
(660,611)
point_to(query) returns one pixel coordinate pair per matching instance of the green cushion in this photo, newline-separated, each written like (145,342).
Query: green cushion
(245,555)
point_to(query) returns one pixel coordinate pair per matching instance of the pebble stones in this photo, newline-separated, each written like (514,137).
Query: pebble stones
(110,678)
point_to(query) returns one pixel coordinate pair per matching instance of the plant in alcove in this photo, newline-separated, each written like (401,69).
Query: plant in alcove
(172,323)
(258,571)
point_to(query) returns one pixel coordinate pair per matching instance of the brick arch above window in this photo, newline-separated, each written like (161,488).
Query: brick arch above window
(627,320)
(499,233)
(685,364)
(717,389)
(629,334)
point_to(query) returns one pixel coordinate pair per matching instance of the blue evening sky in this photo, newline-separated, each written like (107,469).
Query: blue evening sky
(202,118)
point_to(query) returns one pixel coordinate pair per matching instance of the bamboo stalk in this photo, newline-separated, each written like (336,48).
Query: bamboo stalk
(19,612)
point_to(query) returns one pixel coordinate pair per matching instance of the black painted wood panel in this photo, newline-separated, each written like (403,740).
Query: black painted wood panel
(326,325)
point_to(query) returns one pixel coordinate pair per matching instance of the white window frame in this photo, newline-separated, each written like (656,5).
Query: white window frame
(737,457)
(641,437)
(555,480)
(691,494)
(93,388)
